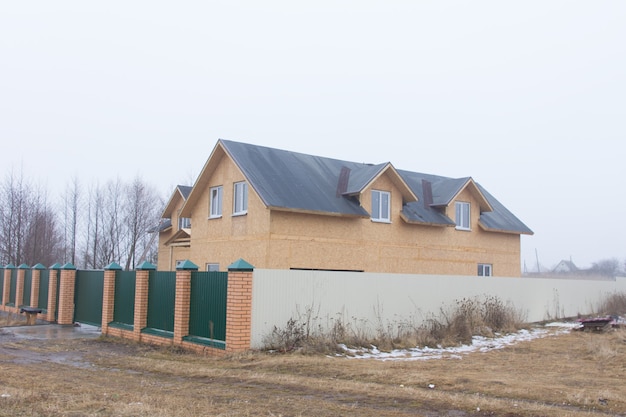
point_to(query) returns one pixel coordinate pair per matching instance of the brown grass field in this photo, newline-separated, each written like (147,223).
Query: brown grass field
(576,374)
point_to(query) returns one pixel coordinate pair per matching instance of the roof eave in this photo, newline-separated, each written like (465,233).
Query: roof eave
(512,232)
(318,212)
(422,223)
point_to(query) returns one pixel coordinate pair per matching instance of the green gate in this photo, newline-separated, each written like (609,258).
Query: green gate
(124,308)
(88,295)
(44,283)
(207,309)
(28,285)
(13,288)
(161,301)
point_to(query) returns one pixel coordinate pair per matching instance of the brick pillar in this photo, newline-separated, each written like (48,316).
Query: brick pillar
(108,295)
(142,284)
(66,294)
(239,306)
(183,300)
(35,285)
(19,287)
(6,287)
(52,292)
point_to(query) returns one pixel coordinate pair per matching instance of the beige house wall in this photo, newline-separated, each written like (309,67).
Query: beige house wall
(275,239)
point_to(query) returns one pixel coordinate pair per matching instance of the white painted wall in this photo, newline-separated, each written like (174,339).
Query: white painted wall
(364,298)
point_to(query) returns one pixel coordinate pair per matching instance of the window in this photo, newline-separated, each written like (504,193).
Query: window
(380,206)
(215,202)
(484,270)
(212,267)
(184,223)
(240,204)
(462,216)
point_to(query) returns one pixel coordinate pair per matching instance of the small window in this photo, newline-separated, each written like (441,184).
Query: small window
(215,204)
(212,267)
(484,270)
(240,204)
(380,206)
(184,223)
(462,216)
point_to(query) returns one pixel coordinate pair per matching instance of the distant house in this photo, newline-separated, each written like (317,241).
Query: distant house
(565,267)
(284,210)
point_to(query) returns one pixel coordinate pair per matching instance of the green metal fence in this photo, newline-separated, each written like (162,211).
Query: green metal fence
(13,287)
(207,312)
(1,284)
(28,285)
(44,283)
(161,301)
(124,308)
(88,295)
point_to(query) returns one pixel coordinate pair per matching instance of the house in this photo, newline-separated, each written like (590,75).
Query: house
(565,267)
(285,210)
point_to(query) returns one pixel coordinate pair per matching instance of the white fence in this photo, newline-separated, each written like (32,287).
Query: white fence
(367,299)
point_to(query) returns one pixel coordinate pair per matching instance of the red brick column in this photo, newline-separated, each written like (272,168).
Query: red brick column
(35,284)
(182,301)
(239,307)
(108,295)
(142,284)
(6,287)
(19,287)
(52,292)
(66,294)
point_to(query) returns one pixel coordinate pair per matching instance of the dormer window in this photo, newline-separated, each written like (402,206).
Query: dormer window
(462,215)
(381,206)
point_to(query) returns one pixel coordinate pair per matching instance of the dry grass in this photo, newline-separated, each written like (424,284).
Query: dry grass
(577,374)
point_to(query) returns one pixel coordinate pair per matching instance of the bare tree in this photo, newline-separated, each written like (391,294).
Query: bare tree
(71,200)
(142,205)
(606,267)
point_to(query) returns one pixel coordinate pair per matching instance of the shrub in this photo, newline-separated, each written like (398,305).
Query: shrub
(613,304)
(454,325)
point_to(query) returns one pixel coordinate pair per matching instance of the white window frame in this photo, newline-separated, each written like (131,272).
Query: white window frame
(485,270)
(212,267)
(184,223)
(462,215)
(240,198)
(215,202)
(381,209)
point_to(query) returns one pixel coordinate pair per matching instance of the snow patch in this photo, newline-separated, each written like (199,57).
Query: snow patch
(479,344)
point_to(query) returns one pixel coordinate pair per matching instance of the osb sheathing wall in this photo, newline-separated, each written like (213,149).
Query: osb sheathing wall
(283,240)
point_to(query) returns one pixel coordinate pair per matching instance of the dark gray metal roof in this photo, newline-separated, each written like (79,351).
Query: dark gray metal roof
(184,190)
(301,182)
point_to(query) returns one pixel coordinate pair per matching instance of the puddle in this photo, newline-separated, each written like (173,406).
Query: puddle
(52,331)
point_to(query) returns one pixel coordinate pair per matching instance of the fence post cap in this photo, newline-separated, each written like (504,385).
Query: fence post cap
(68,266)
(187,265)
(23,266)
(39,266)
(113,266)
(240,265)
(9,266)
(146,266)
(55,266)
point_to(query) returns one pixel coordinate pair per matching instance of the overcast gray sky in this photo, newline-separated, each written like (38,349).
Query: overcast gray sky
(528,98)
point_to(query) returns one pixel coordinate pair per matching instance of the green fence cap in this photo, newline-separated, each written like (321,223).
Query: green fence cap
(113,266)
(55,266)
(146,266)
(39,266)
(240,265)
(9,266)
(23,266)
(187,266)
(68,266)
